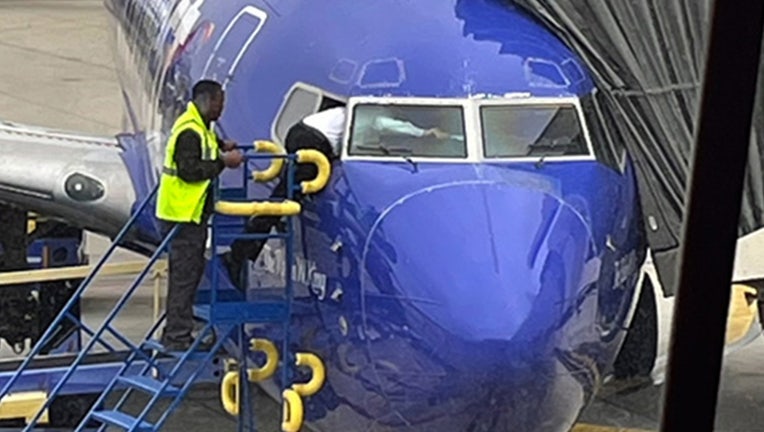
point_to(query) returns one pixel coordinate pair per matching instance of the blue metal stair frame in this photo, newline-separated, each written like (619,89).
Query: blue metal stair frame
(65,313)
(155,387)
(225,316)
(264,312)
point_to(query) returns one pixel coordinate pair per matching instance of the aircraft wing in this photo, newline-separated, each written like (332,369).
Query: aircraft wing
(81,179)
(648,60)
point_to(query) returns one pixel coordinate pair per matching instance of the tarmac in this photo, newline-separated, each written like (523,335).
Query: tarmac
(57,71)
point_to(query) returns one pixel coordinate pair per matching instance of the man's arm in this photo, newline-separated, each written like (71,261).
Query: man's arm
(226,145)
(397,126)
(406,128)
(188,157)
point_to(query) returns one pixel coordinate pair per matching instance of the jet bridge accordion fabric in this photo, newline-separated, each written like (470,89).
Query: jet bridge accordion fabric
(648,58)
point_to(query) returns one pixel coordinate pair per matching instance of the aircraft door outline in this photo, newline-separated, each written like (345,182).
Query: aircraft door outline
(211,70)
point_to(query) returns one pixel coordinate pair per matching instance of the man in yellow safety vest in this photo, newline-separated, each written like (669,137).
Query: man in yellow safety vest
(193,158)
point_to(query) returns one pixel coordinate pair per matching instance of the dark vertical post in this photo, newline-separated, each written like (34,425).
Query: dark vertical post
(712,214)
(13,239)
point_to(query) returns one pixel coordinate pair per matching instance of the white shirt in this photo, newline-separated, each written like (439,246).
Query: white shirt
(331,123)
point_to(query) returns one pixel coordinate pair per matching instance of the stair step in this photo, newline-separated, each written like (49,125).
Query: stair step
(203,297)
(155,345)
(148,384)
(239,236)
(118,418)
(243,312)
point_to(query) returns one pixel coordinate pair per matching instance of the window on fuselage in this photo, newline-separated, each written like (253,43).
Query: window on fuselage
(300,103)
(532,130)
(400,130)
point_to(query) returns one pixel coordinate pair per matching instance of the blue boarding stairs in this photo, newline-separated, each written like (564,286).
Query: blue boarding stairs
(163,375)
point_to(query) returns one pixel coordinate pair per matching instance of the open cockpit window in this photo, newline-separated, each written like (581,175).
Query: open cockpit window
(523,130)
(301,101)
(407,130)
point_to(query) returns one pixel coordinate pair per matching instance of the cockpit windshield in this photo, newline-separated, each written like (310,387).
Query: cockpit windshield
(511,131)
(407,130)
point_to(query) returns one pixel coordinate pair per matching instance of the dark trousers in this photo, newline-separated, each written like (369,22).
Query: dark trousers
(186,268)
(299,137)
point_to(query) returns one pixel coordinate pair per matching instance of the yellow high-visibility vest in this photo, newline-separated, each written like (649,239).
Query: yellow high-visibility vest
(178,200)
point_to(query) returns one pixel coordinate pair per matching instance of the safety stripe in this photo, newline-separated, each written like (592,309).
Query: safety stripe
(169,171)
(178,127)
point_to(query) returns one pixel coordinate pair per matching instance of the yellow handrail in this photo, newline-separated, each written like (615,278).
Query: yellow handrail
(229,386)
(286,207)
(274,168)
(271,362)
(292,412)
(322,164)
(229,392)
(319,374)
(258,208)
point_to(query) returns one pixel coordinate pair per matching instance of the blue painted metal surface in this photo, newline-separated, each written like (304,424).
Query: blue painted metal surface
(169,385)
(480,295)
(222,319)
(232,314)
(90,378)
(76,377)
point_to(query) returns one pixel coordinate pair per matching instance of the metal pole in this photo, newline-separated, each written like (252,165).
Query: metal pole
(712,215)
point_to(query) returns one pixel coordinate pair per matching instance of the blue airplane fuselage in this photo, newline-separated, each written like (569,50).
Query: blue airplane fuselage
(472,294)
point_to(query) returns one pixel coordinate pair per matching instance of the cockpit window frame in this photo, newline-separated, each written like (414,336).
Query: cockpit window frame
(319,92)
(469,128)
(539,101)
(472,126)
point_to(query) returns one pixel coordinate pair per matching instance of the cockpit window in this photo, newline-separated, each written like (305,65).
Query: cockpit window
(300,103)
(532,130)
(407,130)
(303,100)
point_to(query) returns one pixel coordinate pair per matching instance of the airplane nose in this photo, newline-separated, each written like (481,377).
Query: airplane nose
(469,300)
(483,260)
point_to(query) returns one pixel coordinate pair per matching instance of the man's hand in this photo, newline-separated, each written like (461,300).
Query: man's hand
(437,133)
(232,159)
(229,145)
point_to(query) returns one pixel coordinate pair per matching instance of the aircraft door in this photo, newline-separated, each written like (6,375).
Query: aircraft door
(233,44)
